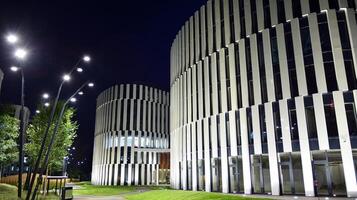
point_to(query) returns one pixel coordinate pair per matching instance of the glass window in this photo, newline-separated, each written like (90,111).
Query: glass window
(346,48)
(314,6)
(281,11)
(311,123)
(242,19)
(351,114)
(333,4)
(277,127)
(263,129)
(331,123)
(266,7)
(250,130)
(262,68)
(293,125)
(296,8)
(254,17)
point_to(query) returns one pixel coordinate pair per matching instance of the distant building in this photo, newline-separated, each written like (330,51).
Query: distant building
(263,98)
(131,138)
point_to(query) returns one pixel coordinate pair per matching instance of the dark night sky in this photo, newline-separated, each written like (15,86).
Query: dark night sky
(129,42)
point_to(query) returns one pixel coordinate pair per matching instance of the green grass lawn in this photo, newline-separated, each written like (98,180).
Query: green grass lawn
(183,195)
(88,189)
(9,192)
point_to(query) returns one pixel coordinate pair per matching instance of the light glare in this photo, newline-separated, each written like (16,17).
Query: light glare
(12,39)
(45,96)
(66,77)
(14,68)
(79,69)
(73,100)
(47,104)
(91,84)
(38,112)
(86,58)
(20,53)
(80,93)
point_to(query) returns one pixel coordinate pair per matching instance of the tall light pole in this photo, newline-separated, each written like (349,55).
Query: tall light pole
(20,54)
(66,78)
(22,130)
(53,137)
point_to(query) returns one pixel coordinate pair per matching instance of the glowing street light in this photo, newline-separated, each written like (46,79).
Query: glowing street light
(12,38)
(86,58)
(47,104)
(80,93)
(66,77)
(45,96)
(38,112)
(90,84)
(79,69)
(20,53)
(14,68)
(73,100)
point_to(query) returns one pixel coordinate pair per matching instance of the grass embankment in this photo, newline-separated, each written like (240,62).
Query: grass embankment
(184,195)
(9,192)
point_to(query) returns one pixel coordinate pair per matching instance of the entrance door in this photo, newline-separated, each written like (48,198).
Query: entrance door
(287,174)
(328,174)
(236,174)
(291,178)
(261,174)
(201,175)
(322,178)
(216,175)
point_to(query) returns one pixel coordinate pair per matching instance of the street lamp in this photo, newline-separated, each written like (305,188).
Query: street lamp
(47,104)
(38,111)
(45,96)
(79,69)
(14,68)
(66,78)
(86,58)
(12,38)
(53,137)
(22,129)
(20,53)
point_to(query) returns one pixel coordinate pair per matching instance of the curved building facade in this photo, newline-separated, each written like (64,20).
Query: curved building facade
(131,136)
(263,98)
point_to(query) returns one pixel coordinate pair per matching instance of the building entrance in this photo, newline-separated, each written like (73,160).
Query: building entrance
(236,174)
(328,174)
(291,178)
(261,174)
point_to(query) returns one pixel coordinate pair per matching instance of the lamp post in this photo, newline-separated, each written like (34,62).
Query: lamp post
(66,78)
(22,130)
(53,137)
(20,54)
